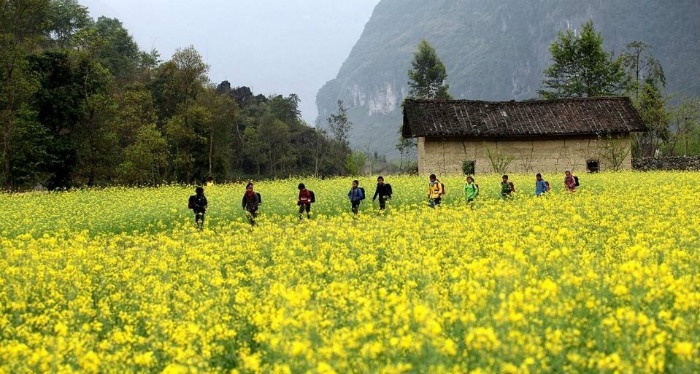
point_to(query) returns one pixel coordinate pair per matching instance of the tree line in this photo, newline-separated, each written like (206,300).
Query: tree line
(582,68)
(81,104)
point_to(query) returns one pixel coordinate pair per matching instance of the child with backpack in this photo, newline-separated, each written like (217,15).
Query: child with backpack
(570,181)
(356,195)
(306,198)
(541,185)
(198,204)
(251,201)
(507,187)
(471,191)
(435,191)
(383,191)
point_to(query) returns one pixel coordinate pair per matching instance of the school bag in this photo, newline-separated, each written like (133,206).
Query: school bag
(512,186)
(546,183)
(442,186)
(362,196)
(477,189)
(196,203)
(576,181)
(313,196)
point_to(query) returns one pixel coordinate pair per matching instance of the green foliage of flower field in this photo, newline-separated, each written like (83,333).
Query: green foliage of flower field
(119,280)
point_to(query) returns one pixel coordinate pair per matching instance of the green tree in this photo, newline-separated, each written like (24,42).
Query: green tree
(144,159)
(339,125)
(641,65)
(219,131)
(428,76)
(581,68)
(180,81)
(118,52)
(355,162)
(685,127)
(652,109)
(23,24)
(66,18)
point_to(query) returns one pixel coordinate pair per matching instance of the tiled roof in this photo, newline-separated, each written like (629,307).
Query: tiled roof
(489,119)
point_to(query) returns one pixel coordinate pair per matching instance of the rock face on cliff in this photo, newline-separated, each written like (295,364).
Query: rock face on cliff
(494,50)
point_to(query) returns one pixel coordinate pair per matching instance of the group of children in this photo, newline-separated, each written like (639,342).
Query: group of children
(436,189)
(252,200)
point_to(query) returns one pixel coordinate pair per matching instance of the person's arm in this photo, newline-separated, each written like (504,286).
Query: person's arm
(259,198)
(206,204)
(376,193)
(243,201)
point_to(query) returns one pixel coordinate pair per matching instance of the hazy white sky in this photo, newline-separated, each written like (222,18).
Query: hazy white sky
(272,46)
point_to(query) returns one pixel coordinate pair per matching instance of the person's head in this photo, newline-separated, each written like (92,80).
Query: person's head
(380,179)
(199,191)
(433,178)
(355,183)
(538,176)
(505,177)
(249,187)
(568,173)
(302,186)
(470,179)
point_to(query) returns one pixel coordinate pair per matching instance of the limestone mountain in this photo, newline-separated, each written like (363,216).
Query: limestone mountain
(494,50)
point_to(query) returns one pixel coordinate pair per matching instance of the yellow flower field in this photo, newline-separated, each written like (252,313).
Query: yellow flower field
(118,280)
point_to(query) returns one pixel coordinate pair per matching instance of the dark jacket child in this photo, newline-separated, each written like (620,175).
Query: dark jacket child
(506,187)
(383,191)
(356,195)
(306,198)
(251,201)
(198,204)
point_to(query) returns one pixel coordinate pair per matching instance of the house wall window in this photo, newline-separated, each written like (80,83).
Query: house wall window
(593,166)
(469,167)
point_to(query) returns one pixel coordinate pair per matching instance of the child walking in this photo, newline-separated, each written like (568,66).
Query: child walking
(198,204)
(383,191)
(356,195)
(435,191)
(471,191)
(306,197)
(507,187)
(251,201)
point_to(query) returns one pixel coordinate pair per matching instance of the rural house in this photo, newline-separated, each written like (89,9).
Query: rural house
(581,134)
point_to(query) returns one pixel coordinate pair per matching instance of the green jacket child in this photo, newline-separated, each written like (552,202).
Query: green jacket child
(471,189)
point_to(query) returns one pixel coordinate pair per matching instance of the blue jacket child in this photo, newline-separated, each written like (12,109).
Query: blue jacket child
(356,195)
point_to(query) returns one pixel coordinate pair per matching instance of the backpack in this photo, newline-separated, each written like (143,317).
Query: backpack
(546,183)
(442,186)
(388,189)
(512,186)
(313,197)
(477,189)
(194,203)
(576,181)
(362,197)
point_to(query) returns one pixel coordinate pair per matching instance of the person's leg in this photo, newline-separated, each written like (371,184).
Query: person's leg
(301,210)
(199,219)
(382,203)
(251,216)
(308,210)
(355,207)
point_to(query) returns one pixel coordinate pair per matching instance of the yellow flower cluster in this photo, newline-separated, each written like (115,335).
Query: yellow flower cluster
(119,280)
